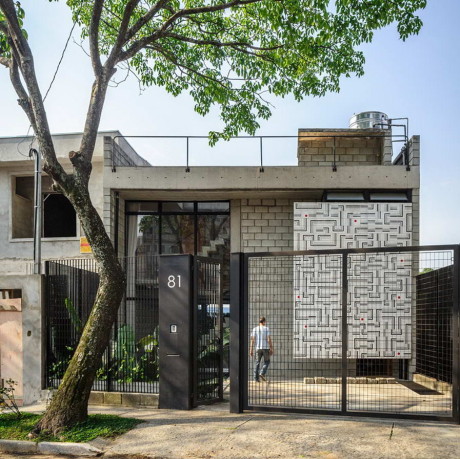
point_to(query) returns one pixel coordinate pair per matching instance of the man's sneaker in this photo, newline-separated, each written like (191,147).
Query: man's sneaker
(256,380)
(263,378)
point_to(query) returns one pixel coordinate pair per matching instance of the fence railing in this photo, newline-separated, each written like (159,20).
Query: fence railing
(130,362)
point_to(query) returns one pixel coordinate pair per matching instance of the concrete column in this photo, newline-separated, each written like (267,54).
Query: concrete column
(414,151)
(387,149)
(235,225)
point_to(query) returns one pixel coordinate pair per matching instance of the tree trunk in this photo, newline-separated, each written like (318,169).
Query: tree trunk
(69,405)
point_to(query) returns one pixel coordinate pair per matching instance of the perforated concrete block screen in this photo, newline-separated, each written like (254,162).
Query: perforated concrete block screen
(380,285)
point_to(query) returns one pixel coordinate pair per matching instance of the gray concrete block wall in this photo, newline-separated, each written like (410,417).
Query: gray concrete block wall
(414,151)
(266,225)
(416,216)
(108,210)
(387,150)
(414,160)
(319,151)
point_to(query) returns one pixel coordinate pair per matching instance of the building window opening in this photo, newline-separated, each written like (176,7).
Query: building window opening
(59,218)
(58,215)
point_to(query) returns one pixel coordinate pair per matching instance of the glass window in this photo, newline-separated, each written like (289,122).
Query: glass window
(143,235)
(177,207)
(177,234)
(142,206)
(401,197)
(213,241)
(345,196)
(177,229)
(213,207)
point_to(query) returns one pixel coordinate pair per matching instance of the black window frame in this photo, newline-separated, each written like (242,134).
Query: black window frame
(195,213)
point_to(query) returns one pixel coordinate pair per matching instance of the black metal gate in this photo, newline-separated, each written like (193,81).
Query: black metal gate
(208,332)
(372,332)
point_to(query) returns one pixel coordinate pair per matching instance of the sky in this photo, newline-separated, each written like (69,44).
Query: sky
(418,79)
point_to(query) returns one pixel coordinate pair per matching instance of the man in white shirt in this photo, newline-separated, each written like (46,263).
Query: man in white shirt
(261,341)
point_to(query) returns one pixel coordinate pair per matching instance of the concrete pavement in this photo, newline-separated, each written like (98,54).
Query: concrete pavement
(211,431)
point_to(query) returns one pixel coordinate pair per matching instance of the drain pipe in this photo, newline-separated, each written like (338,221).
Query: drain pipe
(37,211)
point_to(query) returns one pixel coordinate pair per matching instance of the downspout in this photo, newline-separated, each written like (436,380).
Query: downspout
(37,211)
(116,222)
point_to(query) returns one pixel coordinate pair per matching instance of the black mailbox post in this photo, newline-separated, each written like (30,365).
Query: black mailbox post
(176,342)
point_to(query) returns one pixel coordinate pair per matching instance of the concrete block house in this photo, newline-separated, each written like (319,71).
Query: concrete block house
(348,191)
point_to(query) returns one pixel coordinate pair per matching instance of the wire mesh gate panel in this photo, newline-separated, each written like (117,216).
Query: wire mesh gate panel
(130,362)
(358,331)
(270,295)
(208,332)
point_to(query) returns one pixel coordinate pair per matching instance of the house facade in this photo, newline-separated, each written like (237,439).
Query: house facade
(348,190)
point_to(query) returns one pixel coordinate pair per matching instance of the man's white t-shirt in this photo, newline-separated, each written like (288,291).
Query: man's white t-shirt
(260,335)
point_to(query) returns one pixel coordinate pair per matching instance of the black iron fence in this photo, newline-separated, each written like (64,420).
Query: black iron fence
(130,362)
(208,327)
(357,331)
(434,324)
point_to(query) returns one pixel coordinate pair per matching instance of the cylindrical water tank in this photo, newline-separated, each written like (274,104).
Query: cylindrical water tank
(369,120)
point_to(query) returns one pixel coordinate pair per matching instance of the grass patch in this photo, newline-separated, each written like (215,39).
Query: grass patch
(97,425)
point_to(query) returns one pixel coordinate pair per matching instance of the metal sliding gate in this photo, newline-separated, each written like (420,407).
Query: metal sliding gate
(371,332)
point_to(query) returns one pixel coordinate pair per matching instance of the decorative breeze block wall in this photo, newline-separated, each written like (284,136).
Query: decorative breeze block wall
(379,285)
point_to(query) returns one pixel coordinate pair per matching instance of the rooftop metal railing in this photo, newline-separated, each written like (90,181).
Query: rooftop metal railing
(120,158)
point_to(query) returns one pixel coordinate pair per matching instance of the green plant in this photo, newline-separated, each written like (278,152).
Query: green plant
(97,425)
(74,317)
(57,369)
(133,361)
(150,345)
(7,398)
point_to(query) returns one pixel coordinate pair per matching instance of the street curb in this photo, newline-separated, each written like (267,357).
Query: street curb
(68,449)
(18,446)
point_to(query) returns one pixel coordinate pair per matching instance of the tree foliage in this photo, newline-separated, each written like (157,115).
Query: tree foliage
(233,54)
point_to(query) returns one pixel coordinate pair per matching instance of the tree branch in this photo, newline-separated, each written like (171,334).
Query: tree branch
(146,18)
(187,70)
(5,61)
(121,37)
(219,44)
(23,97)
(149,39)
(94,36)
(24,62)
(93,118)
(206,9)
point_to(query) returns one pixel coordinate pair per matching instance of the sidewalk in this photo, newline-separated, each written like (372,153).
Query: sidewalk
(211,431)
